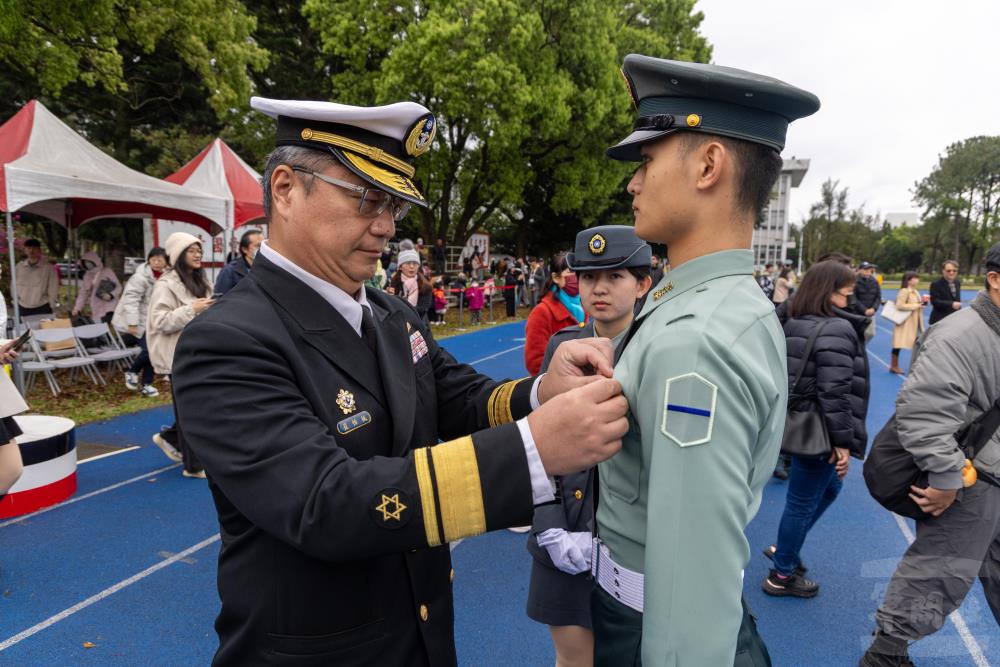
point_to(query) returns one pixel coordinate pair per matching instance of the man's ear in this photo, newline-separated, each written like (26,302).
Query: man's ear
(712,160)
(282,184)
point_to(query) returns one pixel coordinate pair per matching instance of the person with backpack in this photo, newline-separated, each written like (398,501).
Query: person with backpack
(954,380)
(827,361)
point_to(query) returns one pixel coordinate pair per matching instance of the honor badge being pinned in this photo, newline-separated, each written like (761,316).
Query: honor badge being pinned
(345,401)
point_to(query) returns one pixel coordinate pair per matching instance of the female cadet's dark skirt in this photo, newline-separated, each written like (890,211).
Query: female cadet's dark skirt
(9,430)
(557,598)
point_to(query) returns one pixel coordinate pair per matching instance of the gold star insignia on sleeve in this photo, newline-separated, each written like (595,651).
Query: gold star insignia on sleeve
(387,503)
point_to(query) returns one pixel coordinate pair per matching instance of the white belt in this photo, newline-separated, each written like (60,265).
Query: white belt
(619,582)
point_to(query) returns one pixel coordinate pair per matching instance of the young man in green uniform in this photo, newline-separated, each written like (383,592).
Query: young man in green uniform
(704,371)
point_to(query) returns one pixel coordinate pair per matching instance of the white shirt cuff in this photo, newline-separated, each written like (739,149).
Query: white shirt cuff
(534,392)
(541,485)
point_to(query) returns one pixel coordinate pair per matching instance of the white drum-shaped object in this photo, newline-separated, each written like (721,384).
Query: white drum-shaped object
(48,449)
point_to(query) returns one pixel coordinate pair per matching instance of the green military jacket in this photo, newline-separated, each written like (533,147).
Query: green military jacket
(706,383)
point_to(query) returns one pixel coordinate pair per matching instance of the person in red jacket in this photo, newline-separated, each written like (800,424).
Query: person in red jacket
(558,309)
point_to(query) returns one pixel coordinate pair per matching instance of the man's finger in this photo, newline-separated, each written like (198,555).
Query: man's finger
(917,490)
(602,389)
(594,352)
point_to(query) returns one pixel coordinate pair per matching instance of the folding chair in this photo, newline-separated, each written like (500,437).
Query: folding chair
(79,362)
(109,353)
(32,367)
(116,335)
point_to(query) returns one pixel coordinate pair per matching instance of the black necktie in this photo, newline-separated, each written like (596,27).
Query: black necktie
(368,331)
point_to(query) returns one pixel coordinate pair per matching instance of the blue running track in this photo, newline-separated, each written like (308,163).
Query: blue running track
(128,565)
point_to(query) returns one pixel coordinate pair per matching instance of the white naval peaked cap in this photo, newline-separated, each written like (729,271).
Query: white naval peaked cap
(377,144)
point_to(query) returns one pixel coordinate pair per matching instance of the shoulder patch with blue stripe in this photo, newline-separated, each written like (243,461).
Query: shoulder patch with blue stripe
(689,404)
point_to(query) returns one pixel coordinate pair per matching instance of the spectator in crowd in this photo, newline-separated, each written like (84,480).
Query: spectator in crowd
(474,298)
(537,280)
(439,256)
(130,319)
(954,379)
(236,270)
(511,279)
(178,297)
(612,281)
(868,294)
(377,281)
(793,278)
(37,282)
(410,285)
(905,335)
(478,264)
(440,300)
(766,281)
(100,289)
(523,297)
(656,269)
(424,253)
(946,292)
(11,466)
(558,309)
(782,286)
(837,374)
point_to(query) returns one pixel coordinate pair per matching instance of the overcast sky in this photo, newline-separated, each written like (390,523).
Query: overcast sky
(898,82)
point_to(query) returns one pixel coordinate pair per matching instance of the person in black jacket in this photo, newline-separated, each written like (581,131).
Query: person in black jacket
(868,296)
(237,270)
(837,372)
(946,292)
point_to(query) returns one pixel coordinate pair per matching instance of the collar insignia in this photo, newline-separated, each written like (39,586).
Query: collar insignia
(662,292)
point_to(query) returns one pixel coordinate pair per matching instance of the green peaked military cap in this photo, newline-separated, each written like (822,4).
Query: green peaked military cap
(671,96)
(608,247)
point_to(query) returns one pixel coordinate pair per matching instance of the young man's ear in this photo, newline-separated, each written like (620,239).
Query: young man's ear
(713,160)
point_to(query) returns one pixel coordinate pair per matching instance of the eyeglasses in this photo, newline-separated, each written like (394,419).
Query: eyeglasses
(372,200)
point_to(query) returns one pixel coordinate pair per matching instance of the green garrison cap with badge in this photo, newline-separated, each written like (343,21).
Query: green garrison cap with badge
(608,247)
(378,144)
(671,96)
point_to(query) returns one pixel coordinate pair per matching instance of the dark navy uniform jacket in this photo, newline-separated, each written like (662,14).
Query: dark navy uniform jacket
(335,501)
(575,512)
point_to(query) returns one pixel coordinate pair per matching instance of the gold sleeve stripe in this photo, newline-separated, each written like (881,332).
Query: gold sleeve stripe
(427,506)
(370,152)
(498,407)
(459,489)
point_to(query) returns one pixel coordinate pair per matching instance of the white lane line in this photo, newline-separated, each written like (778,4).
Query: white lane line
(883,362)
(106,455)
(66,613)
(970,642)
(88,495)
(494,356)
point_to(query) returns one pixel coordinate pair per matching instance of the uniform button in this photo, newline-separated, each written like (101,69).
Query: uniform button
(578,494)
(423,612)
(451,577)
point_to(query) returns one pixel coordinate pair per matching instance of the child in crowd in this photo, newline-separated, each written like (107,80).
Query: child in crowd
(440,301)
(474,298)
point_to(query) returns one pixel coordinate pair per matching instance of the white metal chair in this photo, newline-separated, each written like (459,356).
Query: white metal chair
(34,322)
(32,367)
(110,352)
(116,335)
(80,362)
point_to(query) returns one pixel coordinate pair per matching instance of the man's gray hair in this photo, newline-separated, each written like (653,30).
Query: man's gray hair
(293,156)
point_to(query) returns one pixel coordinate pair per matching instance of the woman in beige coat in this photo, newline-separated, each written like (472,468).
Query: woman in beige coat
(178,296)
(905,334)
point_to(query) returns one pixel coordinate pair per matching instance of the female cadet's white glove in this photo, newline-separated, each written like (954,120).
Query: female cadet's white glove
(570,552)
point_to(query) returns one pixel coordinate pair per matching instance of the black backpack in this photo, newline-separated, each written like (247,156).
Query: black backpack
(890,470)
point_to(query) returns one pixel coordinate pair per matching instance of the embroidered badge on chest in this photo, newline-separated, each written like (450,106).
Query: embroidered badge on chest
(345,401)
(689,405)
(418,346)
(345,426)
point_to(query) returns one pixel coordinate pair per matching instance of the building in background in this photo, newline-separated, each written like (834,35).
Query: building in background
(770,238)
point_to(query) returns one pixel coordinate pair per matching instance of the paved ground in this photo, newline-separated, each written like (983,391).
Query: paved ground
(128,564)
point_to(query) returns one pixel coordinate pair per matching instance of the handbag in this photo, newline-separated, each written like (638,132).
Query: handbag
(890,470)
(105,289)
(805,428)
(894,314)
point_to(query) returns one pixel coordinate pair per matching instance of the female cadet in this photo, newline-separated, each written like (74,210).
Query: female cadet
(613,267)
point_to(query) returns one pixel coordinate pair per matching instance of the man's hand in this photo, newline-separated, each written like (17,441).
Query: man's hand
(869,312)
(956,305)
(933,501)
(576,363)
(581,427)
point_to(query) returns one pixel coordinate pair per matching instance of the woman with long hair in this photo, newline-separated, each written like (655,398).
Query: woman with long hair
(782,286)
(558,309)
(410,285)
(178,296)
(836,373)
(905,335)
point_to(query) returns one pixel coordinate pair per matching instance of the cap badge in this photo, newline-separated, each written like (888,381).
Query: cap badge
(307,134)
(693,120)
(345,401)
(420,136)
(597,244)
